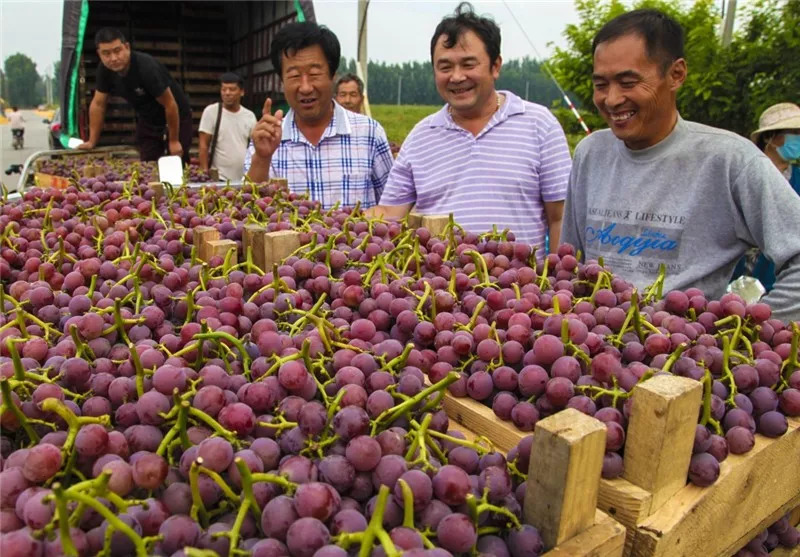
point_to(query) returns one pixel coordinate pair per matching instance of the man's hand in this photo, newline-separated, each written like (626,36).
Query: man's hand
(86,145)
(267,132)
(175,148)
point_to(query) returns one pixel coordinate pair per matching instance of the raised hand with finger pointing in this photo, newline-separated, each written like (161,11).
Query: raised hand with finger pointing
(267,132)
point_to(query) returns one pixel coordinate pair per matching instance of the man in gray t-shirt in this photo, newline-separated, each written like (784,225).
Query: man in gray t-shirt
(233,135)
(655,188)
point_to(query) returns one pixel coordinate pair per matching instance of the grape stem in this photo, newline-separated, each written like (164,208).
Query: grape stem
(791,364)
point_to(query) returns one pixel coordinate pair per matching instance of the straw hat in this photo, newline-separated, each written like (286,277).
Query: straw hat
(781,116)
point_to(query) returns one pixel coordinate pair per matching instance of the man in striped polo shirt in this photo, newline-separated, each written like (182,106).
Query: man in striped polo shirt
(334,155)
(487,156)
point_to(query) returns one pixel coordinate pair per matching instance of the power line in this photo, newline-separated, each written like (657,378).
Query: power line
(544,66)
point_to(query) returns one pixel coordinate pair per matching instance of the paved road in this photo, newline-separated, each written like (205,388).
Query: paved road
(35,140)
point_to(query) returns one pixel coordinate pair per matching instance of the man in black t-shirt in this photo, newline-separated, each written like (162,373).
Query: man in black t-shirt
(163,115)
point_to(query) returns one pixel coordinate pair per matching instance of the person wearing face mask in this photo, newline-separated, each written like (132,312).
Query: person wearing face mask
(655,188)
(488,157)
(778,136)
(333,154)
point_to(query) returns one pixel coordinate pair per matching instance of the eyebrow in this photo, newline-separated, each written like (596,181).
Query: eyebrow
(300,67)
(620,75)
(462,60)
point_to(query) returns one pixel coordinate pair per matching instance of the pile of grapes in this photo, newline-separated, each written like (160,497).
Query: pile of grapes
(154,404)
(113,169)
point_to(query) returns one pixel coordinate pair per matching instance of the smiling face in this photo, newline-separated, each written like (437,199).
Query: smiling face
(464,76)
(634,96)
(308,84)
(116,55)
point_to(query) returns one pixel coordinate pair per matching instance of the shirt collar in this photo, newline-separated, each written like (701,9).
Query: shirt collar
(339,125)
(512,106)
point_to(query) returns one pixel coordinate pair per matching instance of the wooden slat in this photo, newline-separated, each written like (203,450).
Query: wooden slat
(661,434)
(752,492)
(483,421)
(606,538)
(202,235)
(625,502)
(278,246)
(564,475)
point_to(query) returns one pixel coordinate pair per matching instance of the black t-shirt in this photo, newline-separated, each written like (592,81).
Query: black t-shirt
(147,79)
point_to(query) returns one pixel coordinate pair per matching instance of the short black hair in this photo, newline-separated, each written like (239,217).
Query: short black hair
(347,78)
(108,35)
(297,36)
(231,77)
(465,19)
(663,36)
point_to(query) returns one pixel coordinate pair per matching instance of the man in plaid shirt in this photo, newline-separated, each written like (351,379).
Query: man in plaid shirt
(334,155)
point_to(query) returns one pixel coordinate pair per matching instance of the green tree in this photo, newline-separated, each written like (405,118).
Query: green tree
(22,79)
(726,88)
(57,82)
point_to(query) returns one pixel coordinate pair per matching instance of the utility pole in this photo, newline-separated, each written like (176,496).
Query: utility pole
(362,60)
(527,89)
(399,88)
(730,17)
(362,39)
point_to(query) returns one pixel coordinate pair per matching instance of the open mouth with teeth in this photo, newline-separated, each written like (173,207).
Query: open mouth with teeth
(621,117)
(461,90)
(307,102)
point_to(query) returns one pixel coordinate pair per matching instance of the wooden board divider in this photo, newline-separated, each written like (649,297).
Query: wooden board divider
(221,248)
(604,536)
(201,236)
(434,223)
(91,170)
(254,239)
(158,190)
(663,514)
(278,246)
(564,475)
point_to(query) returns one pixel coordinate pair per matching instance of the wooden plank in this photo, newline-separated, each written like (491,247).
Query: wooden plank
(220,248)
(625,502)
(752,492)
(158,190)
(435,223)
(254,239)
(661,434)
(414,219)
(201,236)
(564,474)
(606,538)
(482,420)
(278,246)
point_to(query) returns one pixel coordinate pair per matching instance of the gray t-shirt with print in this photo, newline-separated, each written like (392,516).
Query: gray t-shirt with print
(696,201)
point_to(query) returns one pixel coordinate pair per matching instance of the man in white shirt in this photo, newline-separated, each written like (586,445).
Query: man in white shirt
(233,130)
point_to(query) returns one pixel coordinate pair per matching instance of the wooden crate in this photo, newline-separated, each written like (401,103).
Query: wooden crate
(580,529)
(794,520)
(663,514)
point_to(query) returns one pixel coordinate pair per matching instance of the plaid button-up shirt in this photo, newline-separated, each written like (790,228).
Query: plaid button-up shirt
(351,162)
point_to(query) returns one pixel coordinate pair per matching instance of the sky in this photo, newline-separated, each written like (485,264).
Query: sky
(398,31)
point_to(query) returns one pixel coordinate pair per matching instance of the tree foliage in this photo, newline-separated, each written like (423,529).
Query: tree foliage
(418,86)
(22,80)
(725,87)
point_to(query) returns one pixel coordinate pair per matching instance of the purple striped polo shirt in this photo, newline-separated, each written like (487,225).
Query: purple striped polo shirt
(503,176)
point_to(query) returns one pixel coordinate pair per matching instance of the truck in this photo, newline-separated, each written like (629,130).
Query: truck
(196,41)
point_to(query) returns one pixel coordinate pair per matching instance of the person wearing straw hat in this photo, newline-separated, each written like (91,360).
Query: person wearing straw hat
(778,136)
(655,188)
